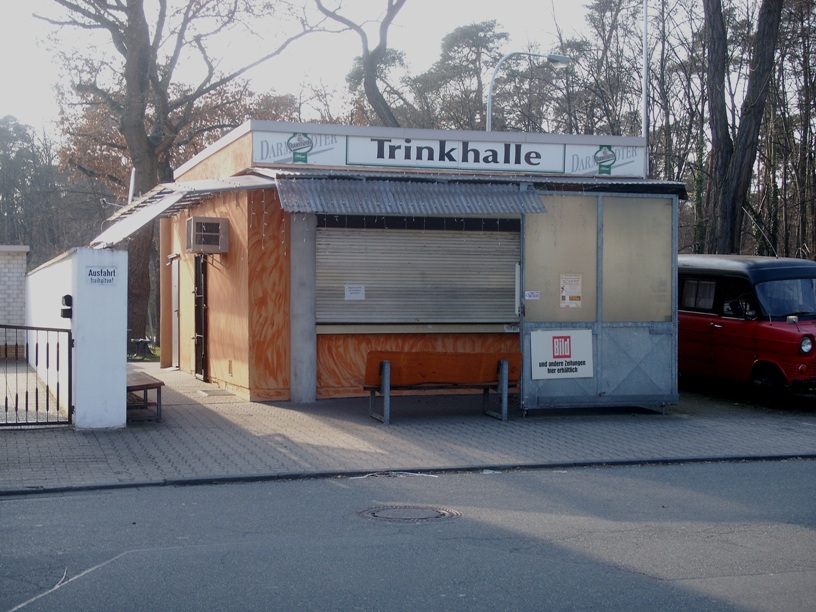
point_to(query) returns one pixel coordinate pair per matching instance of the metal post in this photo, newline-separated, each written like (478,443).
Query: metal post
(645,127)
(386,391)
(504,374)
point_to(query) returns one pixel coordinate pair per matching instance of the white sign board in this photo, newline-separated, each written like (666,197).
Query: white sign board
(561,354)
(456,154)
(355,293)
(320,145)
(102,275)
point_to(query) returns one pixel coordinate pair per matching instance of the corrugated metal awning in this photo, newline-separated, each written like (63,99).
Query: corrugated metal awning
(541,183)
(343,192)
(167,199)
(354,195)
(400,198)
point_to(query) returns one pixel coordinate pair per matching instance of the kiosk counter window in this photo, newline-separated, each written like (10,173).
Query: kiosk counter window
(637,259)
(630,236)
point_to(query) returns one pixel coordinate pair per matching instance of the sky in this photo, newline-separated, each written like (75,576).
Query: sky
(29,69)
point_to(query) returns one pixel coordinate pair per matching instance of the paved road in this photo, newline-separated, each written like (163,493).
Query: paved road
(721,536)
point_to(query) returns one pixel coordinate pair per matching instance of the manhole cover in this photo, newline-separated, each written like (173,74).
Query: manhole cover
(409,514)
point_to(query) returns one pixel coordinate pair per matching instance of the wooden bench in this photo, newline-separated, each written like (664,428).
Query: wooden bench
(139,381)
(388,371)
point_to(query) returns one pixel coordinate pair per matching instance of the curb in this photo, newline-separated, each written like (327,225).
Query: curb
(325,475)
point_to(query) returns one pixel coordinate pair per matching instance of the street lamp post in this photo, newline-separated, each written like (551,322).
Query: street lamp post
(558,62)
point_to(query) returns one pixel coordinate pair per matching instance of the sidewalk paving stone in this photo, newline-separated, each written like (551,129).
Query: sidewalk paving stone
(206,435)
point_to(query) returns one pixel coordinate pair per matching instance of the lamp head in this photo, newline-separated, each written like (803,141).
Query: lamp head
(559,61)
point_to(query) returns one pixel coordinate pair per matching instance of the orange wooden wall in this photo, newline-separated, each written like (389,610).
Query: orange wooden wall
(227,297)
(247,296)
(268,266)
(248,309)
(341,359)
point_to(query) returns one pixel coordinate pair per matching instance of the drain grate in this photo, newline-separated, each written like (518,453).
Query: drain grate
(409,514)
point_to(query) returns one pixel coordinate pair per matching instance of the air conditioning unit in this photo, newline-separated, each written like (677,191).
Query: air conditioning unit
(207,235)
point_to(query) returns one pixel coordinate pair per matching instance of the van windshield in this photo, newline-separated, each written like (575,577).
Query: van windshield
(792,296)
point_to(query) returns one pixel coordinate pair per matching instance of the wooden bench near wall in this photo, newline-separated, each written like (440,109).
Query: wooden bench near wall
(388,371)
(140,381)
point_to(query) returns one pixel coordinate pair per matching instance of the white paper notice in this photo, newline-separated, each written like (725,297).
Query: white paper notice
(355,293)
(570,291)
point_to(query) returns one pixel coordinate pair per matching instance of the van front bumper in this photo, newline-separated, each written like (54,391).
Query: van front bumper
(804,386)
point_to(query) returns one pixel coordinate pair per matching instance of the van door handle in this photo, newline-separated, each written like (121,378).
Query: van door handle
(717,326)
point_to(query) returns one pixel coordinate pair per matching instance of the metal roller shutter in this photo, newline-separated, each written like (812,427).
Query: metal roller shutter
(415,276)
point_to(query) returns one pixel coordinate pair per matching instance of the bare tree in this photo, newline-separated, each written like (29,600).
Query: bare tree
(611,68)
(391,88)
(372,58)
(733,160)
(136,76)
(451,93)
(39,207)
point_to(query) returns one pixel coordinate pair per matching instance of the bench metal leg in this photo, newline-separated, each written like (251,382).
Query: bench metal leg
(385,390)
(146,405)
(504,375)
(504,372)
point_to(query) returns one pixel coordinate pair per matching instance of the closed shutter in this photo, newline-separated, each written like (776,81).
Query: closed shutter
(415,276)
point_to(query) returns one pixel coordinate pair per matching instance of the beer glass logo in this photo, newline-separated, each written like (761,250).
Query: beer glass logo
(300,145)
(605,158)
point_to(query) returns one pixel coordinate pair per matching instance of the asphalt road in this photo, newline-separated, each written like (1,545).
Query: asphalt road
(719,536)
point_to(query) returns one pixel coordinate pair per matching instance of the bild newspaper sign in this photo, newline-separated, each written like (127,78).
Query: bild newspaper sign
(561,354)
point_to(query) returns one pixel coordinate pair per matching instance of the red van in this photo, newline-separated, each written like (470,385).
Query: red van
(748,319)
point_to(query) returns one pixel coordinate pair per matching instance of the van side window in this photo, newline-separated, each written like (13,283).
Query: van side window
(737,297)
(698,294)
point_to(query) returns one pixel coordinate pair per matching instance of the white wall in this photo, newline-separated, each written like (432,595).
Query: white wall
(99,326)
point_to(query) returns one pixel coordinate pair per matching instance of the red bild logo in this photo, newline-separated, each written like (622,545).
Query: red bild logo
(561,347)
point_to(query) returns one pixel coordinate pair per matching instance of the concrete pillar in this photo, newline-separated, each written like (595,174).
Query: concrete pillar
(100,333)
(96,279)
(302,300)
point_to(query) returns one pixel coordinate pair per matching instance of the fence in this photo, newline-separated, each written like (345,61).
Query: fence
(35,376)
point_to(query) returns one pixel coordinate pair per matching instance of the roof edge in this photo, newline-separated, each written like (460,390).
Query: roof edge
(226,140)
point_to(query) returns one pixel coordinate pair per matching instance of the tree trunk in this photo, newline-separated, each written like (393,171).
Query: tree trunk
(371,62)
(805,166)
(732,165)
(143,157)
(722,147)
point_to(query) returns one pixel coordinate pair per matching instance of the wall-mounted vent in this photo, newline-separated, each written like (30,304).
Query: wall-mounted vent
(207,235)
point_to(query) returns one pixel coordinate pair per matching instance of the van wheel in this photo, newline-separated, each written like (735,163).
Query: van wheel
(769,382)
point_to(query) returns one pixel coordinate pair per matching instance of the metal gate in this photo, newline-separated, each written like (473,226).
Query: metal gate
(35,376)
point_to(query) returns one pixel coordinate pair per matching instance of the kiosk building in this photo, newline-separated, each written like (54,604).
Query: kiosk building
(294,250)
